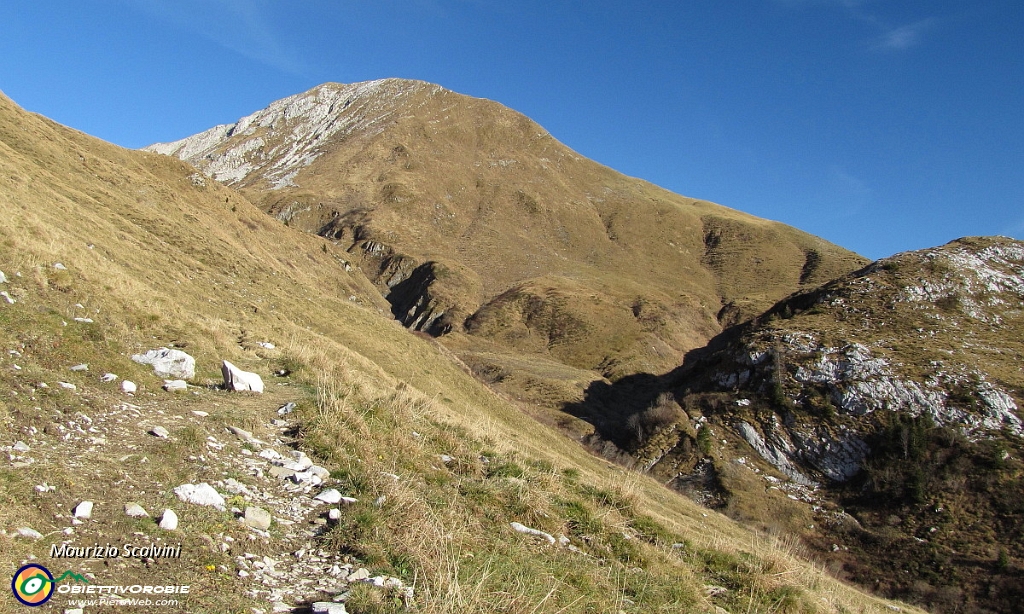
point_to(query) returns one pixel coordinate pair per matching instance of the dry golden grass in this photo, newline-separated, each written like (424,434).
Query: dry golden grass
(154,259)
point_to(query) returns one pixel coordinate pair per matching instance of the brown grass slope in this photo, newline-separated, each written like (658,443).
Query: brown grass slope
(897,388)
(414,174)
(155,256)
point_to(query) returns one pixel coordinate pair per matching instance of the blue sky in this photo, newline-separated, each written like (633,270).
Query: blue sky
(880,125)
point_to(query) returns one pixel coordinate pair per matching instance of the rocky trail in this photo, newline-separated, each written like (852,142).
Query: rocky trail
(251,514)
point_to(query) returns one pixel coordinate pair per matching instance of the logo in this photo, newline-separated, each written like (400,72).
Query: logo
(33,584)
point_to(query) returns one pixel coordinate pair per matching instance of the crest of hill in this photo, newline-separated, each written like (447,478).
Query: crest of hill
(454,206)
(154,255)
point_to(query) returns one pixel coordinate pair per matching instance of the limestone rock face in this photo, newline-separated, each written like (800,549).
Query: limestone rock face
(932,334)
(168,363)
(238,380)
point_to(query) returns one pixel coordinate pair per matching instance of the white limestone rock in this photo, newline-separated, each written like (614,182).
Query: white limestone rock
(775,452)
(29,533)
(359,575)
(83,510)
(129,387)
(257,518)
(521,528)
(135,510)
(169,520)
(200,494)
(239,380)
(175,385)
(168,363)
(330,495)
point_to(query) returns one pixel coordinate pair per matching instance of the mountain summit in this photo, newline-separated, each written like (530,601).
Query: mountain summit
(477,225)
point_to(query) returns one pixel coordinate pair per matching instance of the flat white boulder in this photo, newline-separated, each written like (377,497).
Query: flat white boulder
(30,533)
(175,385)
(238,380)
(200,494)
(329,496)
(168,363)
(135,510)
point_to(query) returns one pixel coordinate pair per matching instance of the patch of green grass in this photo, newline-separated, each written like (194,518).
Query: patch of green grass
(651,531)
(579,519)
(505,469)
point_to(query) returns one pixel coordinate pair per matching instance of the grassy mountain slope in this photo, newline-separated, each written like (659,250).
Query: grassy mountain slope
(475,221)
(153,255)
(889,401)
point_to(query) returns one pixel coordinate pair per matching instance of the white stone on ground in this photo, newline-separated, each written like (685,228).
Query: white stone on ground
(168,363)
(29,533)
(83,510)
(200,494)
(175,385)
(160,431)
(239,380)
(521,528)
(257,517)
(108,377)
(128,387)
(135,510)
(329,496)
(81,367)
(360,574)
(169,520)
